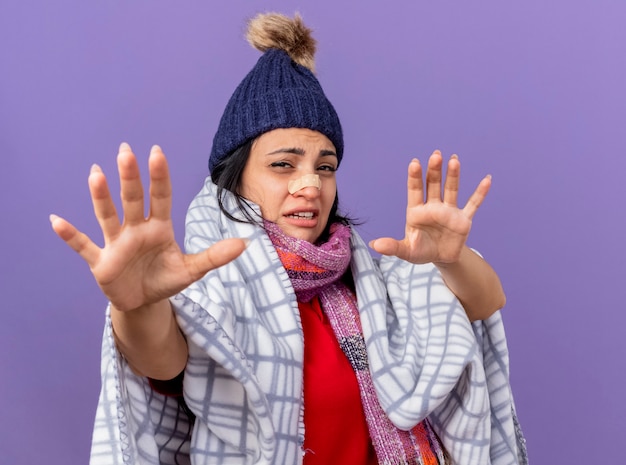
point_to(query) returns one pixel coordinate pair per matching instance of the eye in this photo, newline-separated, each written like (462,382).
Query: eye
(330,168)
(280,164)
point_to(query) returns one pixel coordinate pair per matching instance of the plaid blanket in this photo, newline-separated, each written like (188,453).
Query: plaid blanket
(243,380)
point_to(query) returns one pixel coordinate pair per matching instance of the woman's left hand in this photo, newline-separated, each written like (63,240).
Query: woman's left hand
(436,228)
(436,231)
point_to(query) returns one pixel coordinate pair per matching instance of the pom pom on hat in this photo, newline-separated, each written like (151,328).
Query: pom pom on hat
(281,90)
(273,30)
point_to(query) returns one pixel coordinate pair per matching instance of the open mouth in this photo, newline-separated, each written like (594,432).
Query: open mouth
(302,215)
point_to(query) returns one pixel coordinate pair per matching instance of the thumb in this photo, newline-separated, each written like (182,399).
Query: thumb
(215,256)
(385,245)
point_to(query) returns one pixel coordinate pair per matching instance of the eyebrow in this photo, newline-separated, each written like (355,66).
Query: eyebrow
(299,151)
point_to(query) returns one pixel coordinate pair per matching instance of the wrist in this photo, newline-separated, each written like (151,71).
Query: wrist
(146,325)
(452,262)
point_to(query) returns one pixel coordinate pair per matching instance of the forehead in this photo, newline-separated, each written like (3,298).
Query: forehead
(290,138)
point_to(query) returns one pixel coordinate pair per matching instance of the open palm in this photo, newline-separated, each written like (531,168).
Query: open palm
(436,228)
(140,263)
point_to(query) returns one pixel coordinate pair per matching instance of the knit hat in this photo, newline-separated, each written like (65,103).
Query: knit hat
(281,90)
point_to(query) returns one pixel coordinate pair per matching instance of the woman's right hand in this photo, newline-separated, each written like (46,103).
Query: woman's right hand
(140,264)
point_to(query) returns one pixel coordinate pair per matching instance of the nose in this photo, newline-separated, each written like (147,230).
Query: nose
(311,183)
(308,192)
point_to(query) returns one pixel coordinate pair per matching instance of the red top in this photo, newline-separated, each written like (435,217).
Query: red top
(334,421)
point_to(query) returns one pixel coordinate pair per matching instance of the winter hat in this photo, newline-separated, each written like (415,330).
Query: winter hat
(281,90)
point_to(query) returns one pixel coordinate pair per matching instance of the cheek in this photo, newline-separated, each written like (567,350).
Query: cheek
(269,197)
(268,212)
(253,189)
(329,195)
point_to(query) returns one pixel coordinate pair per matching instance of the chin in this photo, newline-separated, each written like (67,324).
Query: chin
(306,237)
(303,235)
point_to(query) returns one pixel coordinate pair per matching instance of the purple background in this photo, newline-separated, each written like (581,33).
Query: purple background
(530,91)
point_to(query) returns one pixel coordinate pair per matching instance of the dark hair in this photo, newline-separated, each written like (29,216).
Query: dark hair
(227,175)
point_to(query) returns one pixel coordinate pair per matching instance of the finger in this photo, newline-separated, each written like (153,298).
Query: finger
(451,185)
(215,256)
(477,197)
(415,184)
(103,205)
(160,185)
(386,246)
(433,177)
(77,240)
(130,182)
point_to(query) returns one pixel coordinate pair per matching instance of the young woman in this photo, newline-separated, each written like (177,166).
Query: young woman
(277,338)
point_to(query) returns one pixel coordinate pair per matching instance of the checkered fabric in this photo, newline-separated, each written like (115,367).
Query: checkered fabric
(243,380)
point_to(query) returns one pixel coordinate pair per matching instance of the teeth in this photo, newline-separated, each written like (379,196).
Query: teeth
(305,215)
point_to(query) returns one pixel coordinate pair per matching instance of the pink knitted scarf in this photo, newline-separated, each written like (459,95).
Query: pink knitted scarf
(316,270)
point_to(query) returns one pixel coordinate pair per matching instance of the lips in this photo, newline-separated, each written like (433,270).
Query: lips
(301,215)
(302,223)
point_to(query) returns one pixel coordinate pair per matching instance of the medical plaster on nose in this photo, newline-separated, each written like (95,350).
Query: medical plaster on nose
(308,180)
